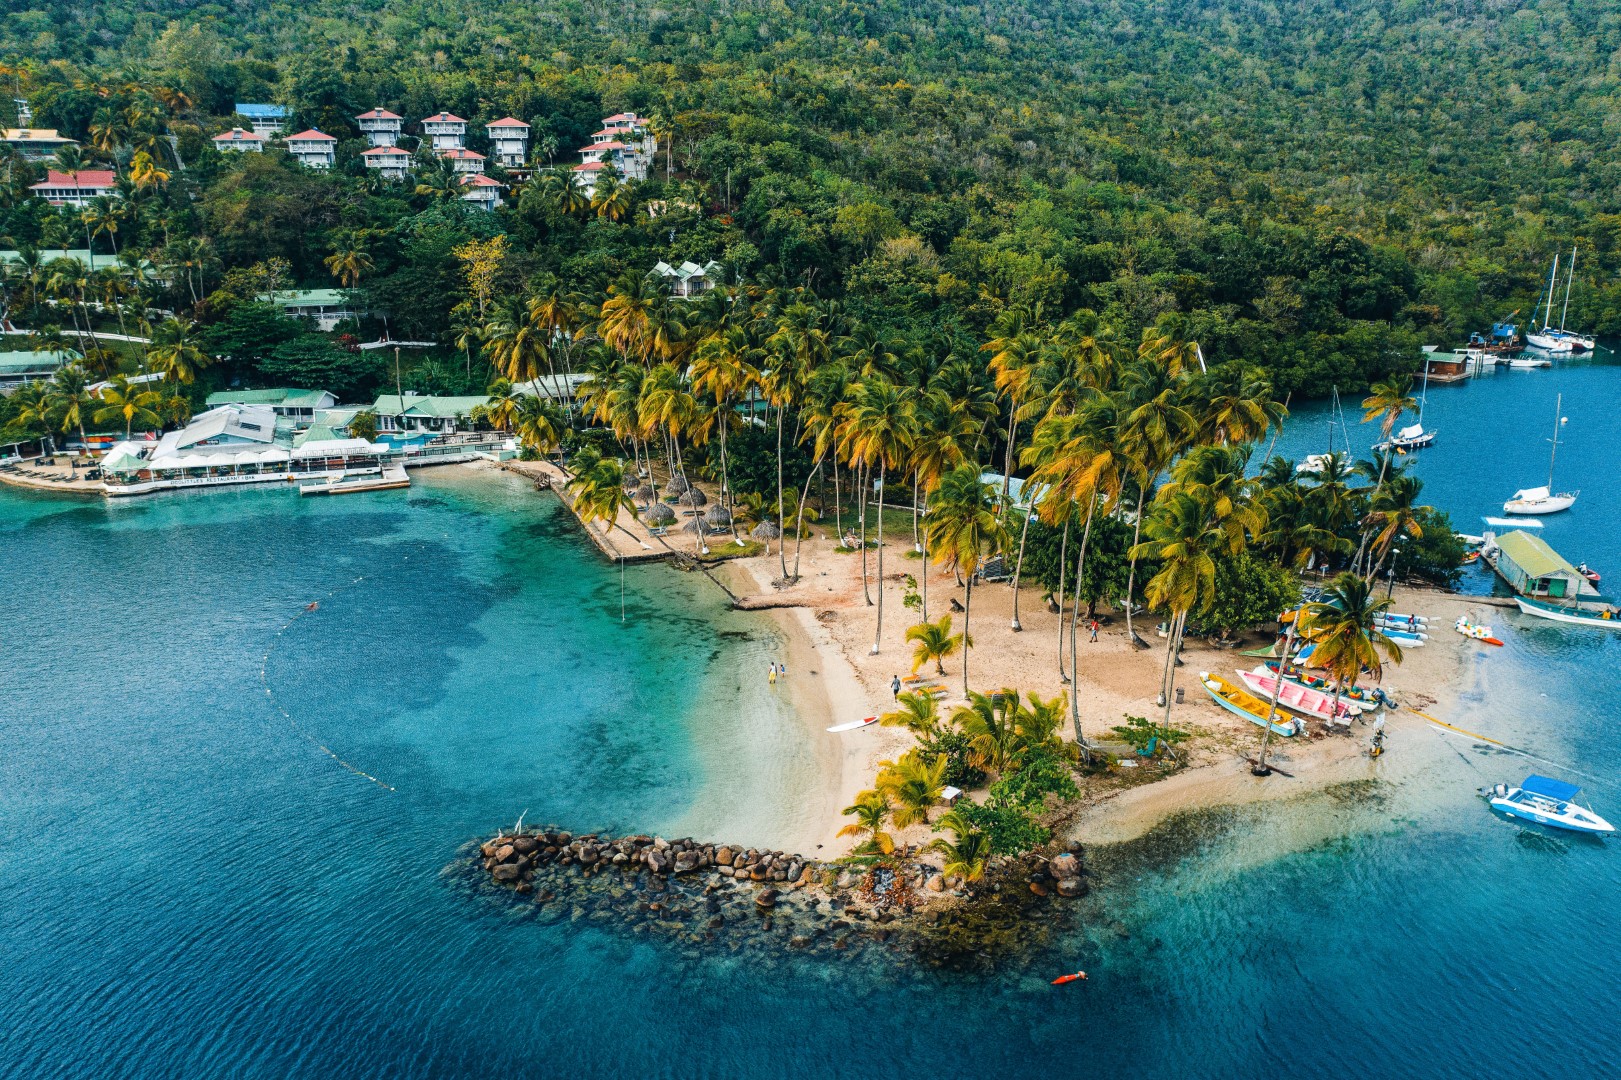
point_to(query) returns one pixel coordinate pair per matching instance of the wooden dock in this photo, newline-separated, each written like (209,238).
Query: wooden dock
(394,476)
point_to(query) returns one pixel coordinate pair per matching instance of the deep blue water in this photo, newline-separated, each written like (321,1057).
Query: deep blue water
(192,887)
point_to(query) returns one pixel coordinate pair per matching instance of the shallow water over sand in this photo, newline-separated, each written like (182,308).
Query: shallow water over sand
(193,881)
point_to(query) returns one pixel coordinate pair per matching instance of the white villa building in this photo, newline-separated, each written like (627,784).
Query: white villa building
(391,161)
(75,189)
(313,149)
(381,127)
(464,161)
(416,413)
(624,143)
(445,131)
(482,192)
(689,279)
(263,119)
(509,142)
(324,307)
(239,141)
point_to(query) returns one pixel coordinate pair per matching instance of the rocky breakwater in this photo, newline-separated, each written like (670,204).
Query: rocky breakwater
(727,897)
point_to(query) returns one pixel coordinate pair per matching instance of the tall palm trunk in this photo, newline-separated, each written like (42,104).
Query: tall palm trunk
(1074,620)
(799,516)
(1277,689)
(725,483)
(1131,575)
(782,525)
(878,629)
(1177,623)
(861,492)
(1063,567)
(967,608)
(1174,623)
(1018,568)
(838,508)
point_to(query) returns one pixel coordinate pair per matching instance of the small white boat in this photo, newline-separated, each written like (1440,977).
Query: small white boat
(1547,801)
(1407,639)
(1605,618)
(1411,437)
(1314,464)
(854,725)
(1539,500)
(1523,362)
(1403,622)
(1298,699)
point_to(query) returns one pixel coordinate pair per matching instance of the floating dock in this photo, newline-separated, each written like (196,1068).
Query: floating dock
(393,476)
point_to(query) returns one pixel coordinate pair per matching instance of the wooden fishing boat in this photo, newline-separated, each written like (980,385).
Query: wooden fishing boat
(1605,618)
(1364,695)
(1303,700)
(1241,702)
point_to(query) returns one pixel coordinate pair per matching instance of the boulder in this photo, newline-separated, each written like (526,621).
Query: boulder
(505,853)
(1065,866)
(621,858)
(726,871)
(724,856)
(795,868)
(1071,886)
(487,849)
(686,862)
(506,872)
(588,854)
(936,883)
(766,898)
(1038,888)
(657,862)
(758,873)
(524,845)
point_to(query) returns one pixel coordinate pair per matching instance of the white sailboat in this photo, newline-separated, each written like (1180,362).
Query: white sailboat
(1314,464)
(1543,500)
(1559,340)
(1413,436)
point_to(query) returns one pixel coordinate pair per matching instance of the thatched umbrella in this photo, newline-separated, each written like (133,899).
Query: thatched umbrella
(644,493)
(659,514)
(693,497)
(718,516)
(766,530)
(696,525)
(677,484)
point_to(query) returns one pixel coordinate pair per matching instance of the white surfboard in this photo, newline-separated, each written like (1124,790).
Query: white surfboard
(854,724)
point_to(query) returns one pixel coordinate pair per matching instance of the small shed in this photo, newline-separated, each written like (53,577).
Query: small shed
(1532,568)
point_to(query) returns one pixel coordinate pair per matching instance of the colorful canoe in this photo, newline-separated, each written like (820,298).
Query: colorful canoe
(1315,704)
(1241,702)
(1365,695)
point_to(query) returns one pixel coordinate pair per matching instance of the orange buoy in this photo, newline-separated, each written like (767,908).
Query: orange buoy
(1062,979)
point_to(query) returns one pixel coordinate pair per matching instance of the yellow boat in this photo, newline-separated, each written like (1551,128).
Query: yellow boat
(1237,700)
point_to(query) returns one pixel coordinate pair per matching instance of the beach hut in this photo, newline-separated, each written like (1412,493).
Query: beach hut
(1532,568)
(718,516)
(644,492)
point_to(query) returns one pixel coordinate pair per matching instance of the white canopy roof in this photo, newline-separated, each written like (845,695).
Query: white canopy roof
(321,448)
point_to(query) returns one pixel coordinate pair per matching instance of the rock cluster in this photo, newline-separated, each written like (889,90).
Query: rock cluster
(707,896)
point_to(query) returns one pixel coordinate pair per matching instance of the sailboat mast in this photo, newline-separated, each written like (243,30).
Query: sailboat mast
(1553,277)
(1570,273)
(1331,416)
(1558,407)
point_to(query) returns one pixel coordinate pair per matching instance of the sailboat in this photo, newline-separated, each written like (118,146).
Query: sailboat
(1560,340)
(1315,463)
(1542,500)
(1413,436)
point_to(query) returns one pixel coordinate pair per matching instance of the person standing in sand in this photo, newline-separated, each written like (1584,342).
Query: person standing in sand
(895,687)
(1094,629)
(771,673)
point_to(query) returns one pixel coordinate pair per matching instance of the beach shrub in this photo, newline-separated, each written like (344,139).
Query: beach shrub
(960,771)
(1010,830)
(1249,591)
(1107,567)
(1437,555)
(1042,771)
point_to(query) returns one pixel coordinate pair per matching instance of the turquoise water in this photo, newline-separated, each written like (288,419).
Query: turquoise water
(193,887)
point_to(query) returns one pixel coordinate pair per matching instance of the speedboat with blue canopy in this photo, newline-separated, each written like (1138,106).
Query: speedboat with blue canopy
(1547,801)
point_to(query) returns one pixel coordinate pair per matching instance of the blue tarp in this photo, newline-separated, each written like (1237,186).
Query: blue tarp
(1557,790)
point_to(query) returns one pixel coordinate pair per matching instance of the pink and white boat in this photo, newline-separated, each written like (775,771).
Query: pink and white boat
(1299,699)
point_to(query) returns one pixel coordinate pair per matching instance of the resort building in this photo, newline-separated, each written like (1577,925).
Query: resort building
(482,192)
(35,144)
(263,119)
(26,365)
(75,189)
(325,307)
(298,406)
(445,131)
(381,127)
(416,413)
(624,143)
(509,142)
(237,426)
(313,149)
(240,141)
(467,162)
(689,279)
(391,161)
(1532,568)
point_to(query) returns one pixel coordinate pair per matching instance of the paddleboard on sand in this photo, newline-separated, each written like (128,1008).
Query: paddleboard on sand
(854,724)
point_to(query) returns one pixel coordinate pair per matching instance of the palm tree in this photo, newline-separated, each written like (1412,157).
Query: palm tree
(1386,401)
(960,526)
(1394,513)
(102,217)
(146,173)
(1016,353)
(503,404)
(438,180)
(935,641)
(877,427)
(870,810)
(71,399)
(918,713)
(177,351)
(598,487)
(348,263)
(539,423)
(1155,428)
(130,402)
(611,196)
(1344,627)
(721,370)
(914,784)
(35,411)
(991,723)
(800,345)
(1185,534)
(967,852)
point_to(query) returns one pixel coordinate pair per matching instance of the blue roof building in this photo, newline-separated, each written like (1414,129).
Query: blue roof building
(264,119)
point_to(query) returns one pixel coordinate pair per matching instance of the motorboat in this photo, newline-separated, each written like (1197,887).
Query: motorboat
(1305,701)
(1547,801)
(1313,465)
(1522,362)
(1241,702)
(1589,573)
(1605,618)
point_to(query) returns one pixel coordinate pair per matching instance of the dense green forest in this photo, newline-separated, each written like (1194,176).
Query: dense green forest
(1314,187)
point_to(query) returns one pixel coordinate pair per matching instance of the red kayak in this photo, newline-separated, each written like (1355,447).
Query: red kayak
(1062,979)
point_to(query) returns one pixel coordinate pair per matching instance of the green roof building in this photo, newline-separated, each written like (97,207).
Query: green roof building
(299,406)
(1532,568)
(428,413)
(26,365)
(325,307)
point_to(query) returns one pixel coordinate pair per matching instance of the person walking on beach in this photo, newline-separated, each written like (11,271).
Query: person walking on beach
(1094,628)
(771,673)
(895,687)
